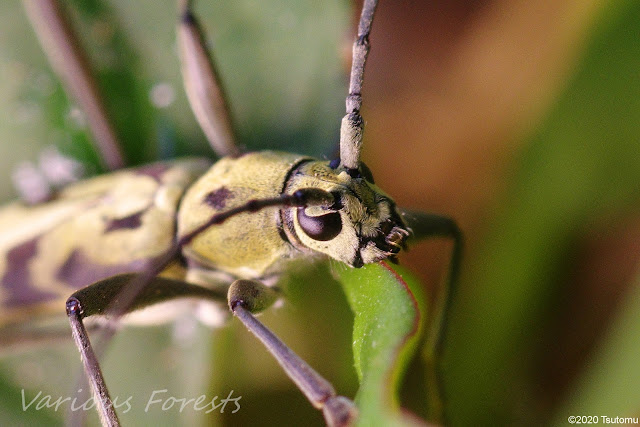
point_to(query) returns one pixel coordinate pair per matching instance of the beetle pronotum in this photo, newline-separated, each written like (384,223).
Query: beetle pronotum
(298,206)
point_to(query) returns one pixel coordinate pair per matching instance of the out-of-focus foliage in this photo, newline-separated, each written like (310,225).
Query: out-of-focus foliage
(580,170)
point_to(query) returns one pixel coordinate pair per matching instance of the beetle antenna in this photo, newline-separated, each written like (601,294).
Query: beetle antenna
(202,83)
(69,61)
(352,123)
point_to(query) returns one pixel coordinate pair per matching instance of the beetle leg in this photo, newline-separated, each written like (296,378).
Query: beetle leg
(202,84)
(424,226)
(248,296)
(123,294)
(69,61)
(95,300)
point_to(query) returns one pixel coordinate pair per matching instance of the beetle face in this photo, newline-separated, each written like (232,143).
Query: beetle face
(362,226)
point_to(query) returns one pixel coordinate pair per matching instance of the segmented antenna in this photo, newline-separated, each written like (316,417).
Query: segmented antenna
(202,84)
(352,123)
(68,60)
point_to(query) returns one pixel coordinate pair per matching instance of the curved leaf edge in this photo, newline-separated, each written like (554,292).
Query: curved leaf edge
(389,315)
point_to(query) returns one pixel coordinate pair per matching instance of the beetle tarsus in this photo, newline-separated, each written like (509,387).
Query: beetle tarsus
(337,410)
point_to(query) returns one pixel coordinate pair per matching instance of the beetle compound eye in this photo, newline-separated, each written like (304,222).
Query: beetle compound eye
(324,227)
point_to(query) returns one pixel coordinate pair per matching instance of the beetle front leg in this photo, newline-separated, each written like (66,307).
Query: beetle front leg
(425,226)
(249,296)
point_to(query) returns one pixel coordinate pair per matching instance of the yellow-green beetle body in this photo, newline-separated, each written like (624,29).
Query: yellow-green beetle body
(124,221)
(247,246)
(95,228)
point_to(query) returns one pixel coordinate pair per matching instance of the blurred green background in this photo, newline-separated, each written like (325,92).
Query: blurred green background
(519,119)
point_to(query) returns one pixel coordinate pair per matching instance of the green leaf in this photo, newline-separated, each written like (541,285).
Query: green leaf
(389,311)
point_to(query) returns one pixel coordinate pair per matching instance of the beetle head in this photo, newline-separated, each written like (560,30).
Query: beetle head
(360,227)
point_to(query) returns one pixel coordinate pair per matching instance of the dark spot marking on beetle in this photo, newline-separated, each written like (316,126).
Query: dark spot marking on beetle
(130,222)
(17,279)
(218,199)
(154,170)
(79,271)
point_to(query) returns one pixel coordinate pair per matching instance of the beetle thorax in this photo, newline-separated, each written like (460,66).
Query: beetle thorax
(249,245)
